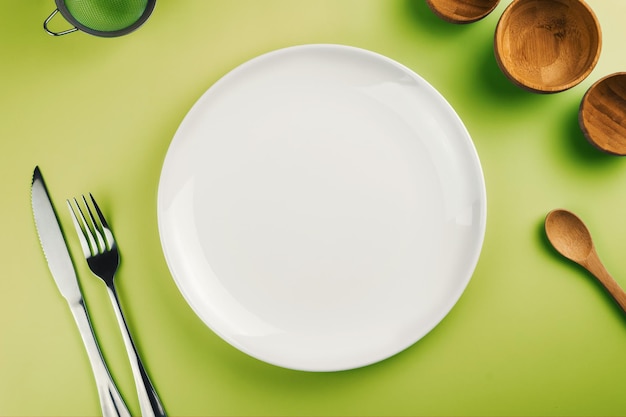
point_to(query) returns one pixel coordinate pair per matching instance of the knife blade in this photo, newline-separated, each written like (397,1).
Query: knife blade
(62,269)
(52,241)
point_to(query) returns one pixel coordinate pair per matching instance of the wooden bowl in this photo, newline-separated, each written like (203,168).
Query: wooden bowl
(547,46)
(462,11)
(602,114)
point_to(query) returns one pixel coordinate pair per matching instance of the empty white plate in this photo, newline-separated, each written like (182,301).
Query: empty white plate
(321,207)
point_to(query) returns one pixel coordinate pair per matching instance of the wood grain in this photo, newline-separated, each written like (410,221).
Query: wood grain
(571,238)
(547,46)
(602,115)
(462,11)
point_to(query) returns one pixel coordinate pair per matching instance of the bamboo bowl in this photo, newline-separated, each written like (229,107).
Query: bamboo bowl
(602,114)
(547,46)
(462,11)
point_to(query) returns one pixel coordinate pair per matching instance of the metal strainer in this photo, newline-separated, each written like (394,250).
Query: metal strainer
(106,18)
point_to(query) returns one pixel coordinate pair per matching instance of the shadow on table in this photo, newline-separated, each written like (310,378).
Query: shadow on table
(482,75)
(418,11)
(491,80)
(547,246)
(306,388)
(578,146)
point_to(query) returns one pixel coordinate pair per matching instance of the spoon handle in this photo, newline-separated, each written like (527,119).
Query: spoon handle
(595,266)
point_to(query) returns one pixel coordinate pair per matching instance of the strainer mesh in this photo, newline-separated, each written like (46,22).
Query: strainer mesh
(106,15)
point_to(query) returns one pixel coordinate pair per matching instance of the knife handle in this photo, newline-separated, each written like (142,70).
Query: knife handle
(110,399)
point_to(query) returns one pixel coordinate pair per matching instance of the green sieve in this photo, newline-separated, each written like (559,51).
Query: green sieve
(106,18)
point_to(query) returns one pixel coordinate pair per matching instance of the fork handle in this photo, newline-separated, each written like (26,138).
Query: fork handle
(110,399)
(149,401)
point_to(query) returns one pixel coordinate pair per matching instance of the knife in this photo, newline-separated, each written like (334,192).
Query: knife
(62,270)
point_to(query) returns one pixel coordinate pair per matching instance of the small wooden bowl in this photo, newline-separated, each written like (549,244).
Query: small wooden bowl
(462,11)
(602,114)
(547,46)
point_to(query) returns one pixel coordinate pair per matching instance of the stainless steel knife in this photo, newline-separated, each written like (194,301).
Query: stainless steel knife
(62,269)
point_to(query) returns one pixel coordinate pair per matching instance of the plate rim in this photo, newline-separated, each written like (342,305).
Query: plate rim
(472,151)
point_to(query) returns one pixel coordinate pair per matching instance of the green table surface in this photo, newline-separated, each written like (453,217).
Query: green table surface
(533,334)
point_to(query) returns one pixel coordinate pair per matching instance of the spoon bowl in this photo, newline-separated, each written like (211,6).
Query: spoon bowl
(569,235)
(462,11)
(571,238)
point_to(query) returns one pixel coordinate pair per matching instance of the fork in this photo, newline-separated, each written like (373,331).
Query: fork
(103,258)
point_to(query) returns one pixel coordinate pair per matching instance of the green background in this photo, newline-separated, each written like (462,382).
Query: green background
(532,335)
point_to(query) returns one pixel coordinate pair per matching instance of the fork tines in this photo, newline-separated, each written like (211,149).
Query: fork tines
(93,232)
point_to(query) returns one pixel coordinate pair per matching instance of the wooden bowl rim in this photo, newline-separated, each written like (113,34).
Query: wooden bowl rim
(582,112)
(503,23)
(434,6)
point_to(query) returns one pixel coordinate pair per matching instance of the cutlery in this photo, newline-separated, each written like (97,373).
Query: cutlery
(62,270)
(103,258)
(571,238)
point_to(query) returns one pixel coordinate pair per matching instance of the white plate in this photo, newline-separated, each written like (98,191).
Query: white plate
(321,207)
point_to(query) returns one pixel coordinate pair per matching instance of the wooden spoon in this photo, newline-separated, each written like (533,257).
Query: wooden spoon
(462,11)
(571,238)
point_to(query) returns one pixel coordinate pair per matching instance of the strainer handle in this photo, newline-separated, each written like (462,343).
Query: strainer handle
(50,32)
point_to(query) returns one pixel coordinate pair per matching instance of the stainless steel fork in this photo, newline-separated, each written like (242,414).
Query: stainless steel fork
(103,258)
